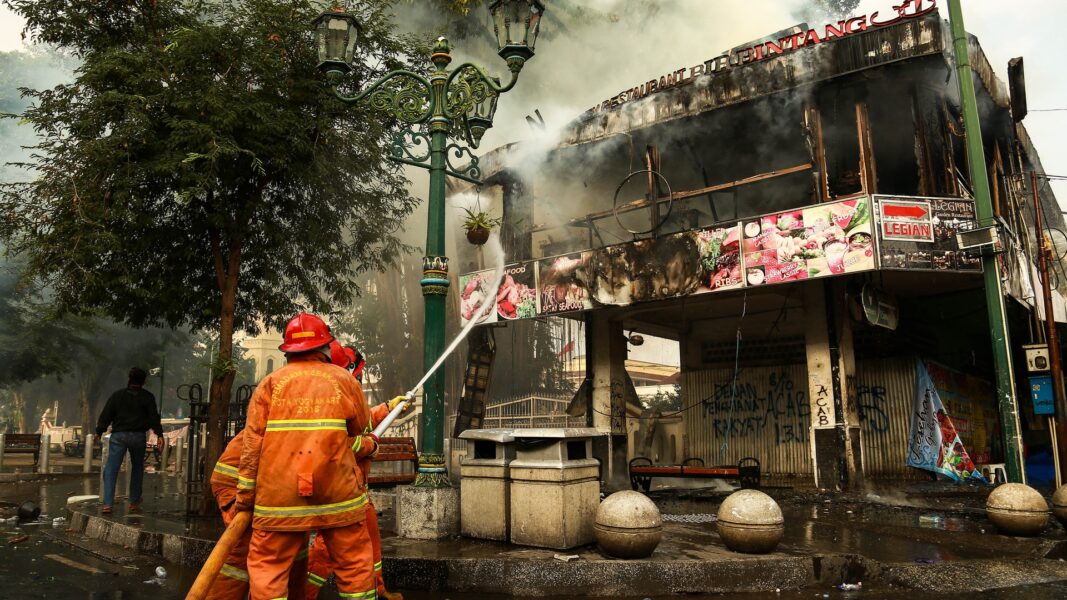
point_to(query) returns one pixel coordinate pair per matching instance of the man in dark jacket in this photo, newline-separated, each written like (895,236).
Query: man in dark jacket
(130,412)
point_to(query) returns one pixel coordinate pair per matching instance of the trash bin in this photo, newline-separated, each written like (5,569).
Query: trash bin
(555,487)
(484,505)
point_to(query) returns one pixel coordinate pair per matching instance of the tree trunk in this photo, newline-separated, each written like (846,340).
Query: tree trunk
(89,383)
(86,411)
(222,379)
(20,406)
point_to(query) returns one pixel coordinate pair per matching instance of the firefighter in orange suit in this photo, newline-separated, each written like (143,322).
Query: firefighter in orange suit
(298,470)
(232,580)
(319,563)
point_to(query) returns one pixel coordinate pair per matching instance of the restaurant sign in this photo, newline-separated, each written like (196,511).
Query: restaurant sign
(906,220)
(796,39)
(919,234)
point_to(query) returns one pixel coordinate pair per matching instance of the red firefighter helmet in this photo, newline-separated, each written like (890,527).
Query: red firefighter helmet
(339,356)
(358,362)
(305,332)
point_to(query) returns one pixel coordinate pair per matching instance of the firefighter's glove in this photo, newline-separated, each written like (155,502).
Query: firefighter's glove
(396,402)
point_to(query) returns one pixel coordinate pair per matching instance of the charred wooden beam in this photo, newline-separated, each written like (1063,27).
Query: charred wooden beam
(642,203)
(817,149)
(922,149)
(868,169)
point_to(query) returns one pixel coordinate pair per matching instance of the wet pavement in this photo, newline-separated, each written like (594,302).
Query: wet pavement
(40,560)
(894,539)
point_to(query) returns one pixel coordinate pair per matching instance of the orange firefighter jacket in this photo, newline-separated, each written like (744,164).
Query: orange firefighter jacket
(377,413)
(298,469)
(224,476)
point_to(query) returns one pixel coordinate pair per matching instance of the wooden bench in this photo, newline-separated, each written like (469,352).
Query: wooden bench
(23,443)
(746,472)
(395,449)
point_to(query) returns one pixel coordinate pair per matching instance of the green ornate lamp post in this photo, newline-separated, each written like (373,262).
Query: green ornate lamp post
(440,108)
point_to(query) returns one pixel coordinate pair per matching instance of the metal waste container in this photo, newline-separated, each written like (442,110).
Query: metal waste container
(484,506)
(555,487)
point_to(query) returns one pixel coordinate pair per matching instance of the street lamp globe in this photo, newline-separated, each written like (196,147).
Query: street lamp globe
(336,33)
(480,117)
(516,23)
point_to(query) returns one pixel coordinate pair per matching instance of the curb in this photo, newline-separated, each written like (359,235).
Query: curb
(614,578)
(175,548)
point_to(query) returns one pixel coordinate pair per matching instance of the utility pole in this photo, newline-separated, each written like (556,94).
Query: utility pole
(1051,336)
(998,329)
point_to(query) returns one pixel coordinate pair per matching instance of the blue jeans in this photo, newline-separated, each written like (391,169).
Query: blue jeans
(121,442)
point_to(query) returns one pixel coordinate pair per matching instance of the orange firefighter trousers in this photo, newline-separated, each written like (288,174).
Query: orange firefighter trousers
(272,552)
(320,565)
(232,581)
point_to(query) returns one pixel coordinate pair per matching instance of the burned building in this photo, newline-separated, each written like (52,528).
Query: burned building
(788,212)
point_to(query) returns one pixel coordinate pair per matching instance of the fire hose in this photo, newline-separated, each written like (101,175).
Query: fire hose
(489,303)
(214,562)
(240,522)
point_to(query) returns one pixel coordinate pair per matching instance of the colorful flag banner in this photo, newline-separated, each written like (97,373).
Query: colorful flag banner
(935,444)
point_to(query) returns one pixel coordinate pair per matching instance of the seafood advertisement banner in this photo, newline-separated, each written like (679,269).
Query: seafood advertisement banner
(671,266)
(720,258)
(919,234)
(473,290)
(935,443)
(517,298)
(828,239)
(559,288)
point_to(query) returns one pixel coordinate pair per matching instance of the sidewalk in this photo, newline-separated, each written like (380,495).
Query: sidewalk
(940,542)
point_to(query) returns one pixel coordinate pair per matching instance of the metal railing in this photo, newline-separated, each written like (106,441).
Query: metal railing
(195,469)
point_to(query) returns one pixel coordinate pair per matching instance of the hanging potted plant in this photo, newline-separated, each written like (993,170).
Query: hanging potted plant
(478,225)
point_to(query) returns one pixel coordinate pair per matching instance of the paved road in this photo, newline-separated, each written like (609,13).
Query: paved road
(55,564)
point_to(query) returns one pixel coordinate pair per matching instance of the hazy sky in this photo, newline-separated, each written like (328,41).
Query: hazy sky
(572,73)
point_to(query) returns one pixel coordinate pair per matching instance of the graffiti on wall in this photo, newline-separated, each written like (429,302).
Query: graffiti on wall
(758,408)
(871,402)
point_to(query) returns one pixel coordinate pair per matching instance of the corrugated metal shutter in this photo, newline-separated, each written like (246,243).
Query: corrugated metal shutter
(769,419)
(884,390)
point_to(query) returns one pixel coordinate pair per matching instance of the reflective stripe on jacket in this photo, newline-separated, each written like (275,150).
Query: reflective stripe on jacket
(297,469)
(377,413)
(224,475)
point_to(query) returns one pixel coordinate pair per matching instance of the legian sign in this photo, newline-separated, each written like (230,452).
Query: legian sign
(919,234)
(906,221)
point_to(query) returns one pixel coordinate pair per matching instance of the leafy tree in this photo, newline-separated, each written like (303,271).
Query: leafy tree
(664,401)
(34,342)
(199,173)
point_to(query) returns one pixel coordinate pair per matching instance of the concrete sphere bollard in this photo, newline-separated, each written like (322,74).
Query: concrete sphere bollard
(1059,505)
(628,525)
(750,521)
(1017,509)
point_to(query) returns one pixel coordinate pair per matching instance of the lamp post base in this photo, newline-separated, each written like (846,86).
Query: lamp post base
(427,513)
(432,472)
